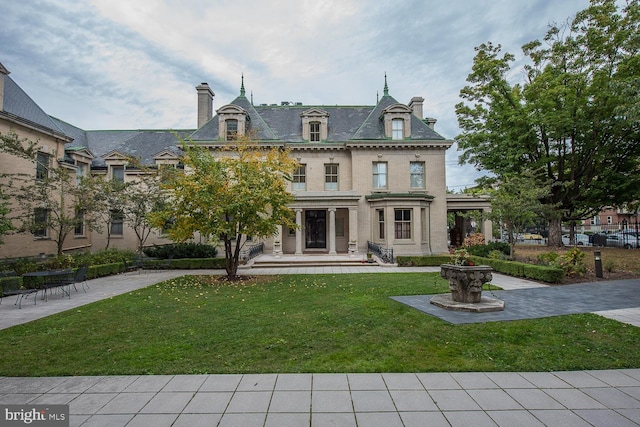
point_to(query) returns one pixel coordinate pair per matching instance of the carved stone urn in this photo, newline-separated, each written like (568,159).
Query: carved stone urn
(465,281)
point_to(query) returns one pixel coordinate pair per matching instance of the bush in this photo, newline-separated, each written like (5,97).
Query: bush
(104,256)
(484,250)
(423,261)
(182,250)
(473,240)
(543,273)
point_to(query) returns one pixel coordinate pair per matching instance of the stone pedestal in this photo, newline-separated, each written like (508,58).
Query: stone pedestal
(465,282)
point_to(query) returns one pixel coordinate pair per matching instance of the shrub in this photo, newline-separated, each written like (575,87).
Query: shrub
(484,250)
(494,254)
(573,262)
(182,250)
(609,266)
(423,261)
(473,240)
(104,256)
(543,273)
(549,258)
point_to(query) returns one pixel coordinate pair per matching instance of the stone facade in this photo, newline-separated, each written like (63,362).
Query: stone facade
(371,173)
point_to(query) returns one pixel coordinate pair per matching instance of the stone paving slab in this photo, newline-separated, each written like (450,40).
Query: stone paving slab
(535,303)
(385,399)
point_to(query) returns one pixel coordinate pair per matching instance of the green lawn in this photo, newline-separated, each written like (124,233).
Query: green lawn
(301,323)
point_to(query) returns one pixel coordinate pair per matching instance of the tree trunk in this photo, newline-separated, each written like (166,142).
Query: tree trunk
(555,233)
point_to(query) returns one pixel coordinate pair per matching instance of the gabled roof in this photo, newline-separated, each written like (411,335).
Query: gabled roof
(19,107)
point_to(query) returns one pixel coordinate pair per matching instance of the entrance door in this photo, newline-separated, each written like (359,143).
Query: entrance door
(316,230)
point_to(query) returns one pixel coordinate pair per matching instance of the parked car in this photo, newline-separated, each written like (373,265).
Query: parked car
(580,239)
(622,240)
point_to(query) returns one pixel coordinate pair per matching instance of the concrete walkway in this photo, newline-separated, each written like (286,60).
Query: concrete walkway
(583,398)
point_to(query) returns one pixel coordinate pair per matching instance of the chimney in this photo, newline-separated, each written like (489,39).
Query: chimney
(431,122)
(3,72)
(205,103)
(416,106)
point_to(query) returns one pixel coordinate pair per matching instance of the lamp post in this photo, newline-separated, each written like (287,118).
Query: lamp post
(598,261)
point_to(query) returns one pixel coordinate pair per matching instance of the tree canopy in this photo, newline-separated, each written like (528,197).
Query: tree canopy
(230,194)
(573,121)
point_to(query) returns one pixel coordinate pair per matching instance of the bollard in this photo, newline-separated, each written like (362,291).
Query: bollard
(598,260)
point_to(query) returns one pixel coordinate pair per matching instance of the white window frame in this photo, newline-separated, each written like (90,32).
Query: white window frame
(417,178)
(331,176)
(300,178)
(402,226)
(380,174)
(397,129)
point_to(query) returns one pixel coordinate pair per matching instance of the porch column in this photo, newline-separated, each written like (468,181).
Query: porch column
(353,231)
(332,231)
(299,232)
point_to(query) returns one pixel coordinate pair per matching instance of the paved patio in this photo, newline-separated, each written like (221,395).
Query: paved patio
(582,398)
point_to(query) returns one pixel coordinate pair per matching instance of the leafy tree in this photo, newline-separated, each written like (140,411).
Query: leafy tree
(58,197)
(572,122)
(11,143)
(229,195)
(517,203)
(141,198)
(108,196)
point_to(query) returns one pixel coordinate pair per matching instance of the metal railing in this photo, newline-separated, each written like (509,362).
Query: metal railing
(251,252)
(386,255)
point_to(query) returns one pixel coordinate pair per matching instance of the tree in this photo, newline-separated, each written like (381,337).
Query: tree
(572,122)
(13,145)
(141,198)
(50,204)
(229,195)
(517,203)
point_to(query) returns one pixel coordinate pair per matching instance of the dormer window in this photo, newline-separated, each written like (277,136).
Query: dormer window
(397,122)
(231,126)
(315,125)
(233,121)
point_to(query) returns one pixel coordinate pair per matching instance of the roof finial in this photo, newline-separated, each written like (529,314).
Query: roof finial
(242,85)
(386,88)
(377,96)
(251,97)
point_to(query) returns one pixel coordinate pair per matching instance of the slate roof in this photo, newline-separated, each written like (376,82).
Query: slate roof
(283,123)
(18,106)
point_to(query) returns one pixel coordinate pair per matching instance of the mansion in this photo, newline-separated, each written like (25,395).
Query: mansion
(372,173)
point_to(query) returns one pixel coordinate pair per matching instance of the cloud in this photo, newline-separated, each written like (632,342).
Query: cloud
(121,64)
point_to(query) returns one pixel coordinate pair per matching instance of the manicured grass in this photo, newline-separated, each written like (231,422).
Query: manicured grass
(300,323)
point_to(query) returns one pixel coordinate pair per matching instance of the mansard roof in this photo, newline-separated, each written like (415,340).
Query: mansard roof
(17,106)
(144,145)
(283,124)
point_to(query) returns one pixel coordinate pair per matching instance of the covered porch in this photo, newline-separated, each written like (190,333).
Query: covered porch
(458,205)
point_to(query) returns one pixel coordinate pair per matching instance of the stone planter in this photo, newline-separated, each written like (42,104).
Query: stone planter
(465,281)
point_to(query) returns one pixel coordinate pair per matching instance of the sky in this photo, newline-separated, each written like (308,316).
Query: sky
(122,64)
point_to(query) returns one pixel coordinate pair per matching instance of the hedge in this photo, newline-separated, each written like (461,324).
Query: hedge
(422,261)
(517,269)
(543,273)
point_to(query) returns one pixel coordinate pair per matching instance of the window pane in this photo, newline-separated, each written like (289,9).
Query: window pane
(232,129)
(40,222)
(331,177)
(379,175)
(402,224)
(416,170)
(381,224)
(117,226)
(397,129)
(117,173)
(300,178)
(42,166)
(314,131)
